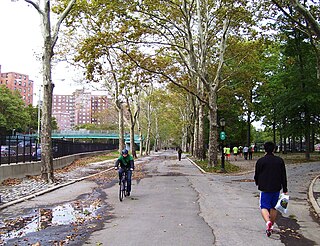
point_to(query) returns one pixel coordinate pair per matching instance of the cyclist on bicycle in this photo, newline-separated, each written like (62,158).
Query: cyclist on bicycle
(126,165)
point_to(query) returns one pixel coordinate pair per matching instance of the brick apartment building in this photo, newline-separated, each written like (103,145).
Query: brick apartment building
(18,82)
(79,108)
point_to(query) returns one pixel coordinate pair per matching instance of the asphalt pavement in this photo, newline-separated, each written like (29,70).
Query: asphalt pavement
(178,204)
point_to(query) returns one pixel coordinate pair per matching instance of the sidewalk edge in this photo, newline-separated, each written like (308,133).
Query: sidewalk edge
(39,193)
(203,171)
(312,200)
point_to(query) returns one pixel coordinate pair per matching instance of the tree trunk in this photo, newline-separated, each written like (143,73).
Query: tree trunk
(140,137)
(201,143)
(157,139)
(196,133)
(213,133)
(46,129)
(148,142)
(307,135)
(132,144)
(119,107)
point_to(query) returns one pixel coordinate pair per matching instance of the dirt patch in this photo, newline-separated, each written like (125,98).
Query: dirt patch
(173,174)
(243,180)
(11,182)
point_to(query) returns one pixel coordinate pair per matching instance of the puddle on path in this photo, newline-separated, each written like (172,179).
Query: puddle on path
(42,218)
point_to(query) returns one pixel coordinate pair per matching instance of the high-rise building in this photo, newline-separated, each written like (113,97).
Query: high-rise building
(18,82)
(79,108)
(63,111)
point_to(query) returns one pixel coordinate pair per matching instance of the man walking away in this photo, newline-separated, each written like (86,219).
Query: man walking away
(179,153)
(245,152)
(270,177)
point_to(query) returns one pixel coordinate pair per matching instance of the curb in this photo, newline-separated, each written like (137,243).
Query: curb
(232,174)
(312,200)
(203,171)
(39,193)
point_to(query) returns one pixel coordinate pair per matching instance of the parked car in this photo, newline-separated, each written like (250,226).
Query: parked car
(5,151)
(36,155)
(25,144)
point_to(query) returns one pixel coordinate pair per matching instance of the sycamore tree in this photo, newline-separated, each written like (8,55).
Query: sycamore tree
(180,37)
(50,37)
(196,34)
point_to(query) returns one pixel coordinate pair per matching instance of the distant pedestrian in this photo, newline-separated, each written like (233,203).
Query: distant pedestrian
(240,151)
(179,153)
(235,152)
(250,151)
(227,152)
(270,177)
(245,152)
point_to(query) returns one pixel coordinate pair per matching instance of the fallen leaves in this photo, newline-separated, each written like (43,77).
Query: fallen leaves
(11,182)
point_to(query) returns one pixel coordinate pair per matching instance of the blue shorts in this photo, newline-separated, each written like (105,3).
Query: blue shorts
(269,200)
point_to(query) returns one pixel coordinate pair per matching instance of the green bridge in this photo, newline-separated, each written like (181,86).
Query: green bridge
(89,134)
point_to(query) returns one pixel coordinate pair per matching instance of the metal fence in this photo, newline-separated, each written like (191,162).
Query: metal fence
(15,149)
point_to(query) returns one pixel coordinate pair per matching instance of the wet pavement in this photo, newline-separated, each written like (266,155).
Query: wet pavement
(72,214)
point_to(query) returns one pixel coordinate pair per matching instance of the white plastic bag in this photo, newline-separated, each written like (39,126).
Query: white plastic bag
(282,204)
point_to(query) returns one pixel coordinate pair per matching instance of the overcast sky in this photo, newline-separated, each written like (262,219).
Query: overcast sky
(20,45)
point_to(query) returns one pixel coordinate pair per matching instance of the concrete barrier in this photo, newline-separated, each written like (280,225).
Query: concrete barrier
(21,170)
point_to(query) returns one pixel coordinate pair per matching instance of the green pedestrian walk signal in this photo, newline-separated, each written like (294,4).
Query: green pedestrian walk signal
(222,135)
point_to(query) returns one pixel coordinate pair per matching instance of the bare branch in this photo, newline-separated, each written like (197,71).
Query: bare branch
(223,44)
(62,17)
(36,6)
(164,75)
(308,16)
(301,27)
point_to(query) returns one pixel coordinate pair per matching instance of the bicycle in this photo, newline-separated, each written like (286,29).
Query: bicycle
(123,185)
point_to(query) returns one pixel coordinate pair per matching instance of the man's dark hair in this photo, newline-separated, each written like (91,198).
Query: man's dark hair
(269,147)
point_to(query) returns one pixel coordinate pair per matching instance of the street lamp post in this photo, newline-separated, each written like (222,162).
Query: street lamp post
(222,137)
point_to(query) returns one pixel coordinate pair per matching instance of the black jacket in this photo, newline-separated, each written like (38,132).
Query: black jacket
(270,174)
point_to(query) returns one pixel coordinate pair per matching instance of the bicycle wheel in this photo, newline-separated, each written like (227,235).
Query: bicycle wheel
(125,187)
(121,190)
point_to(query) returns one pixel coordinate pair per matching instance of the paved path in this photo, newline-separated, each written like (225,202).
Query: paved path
(228,204)
(176,204)
(162,210)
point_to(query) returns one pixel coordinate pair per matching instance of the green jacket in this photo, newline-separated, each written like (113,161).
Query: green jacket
(125,162)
